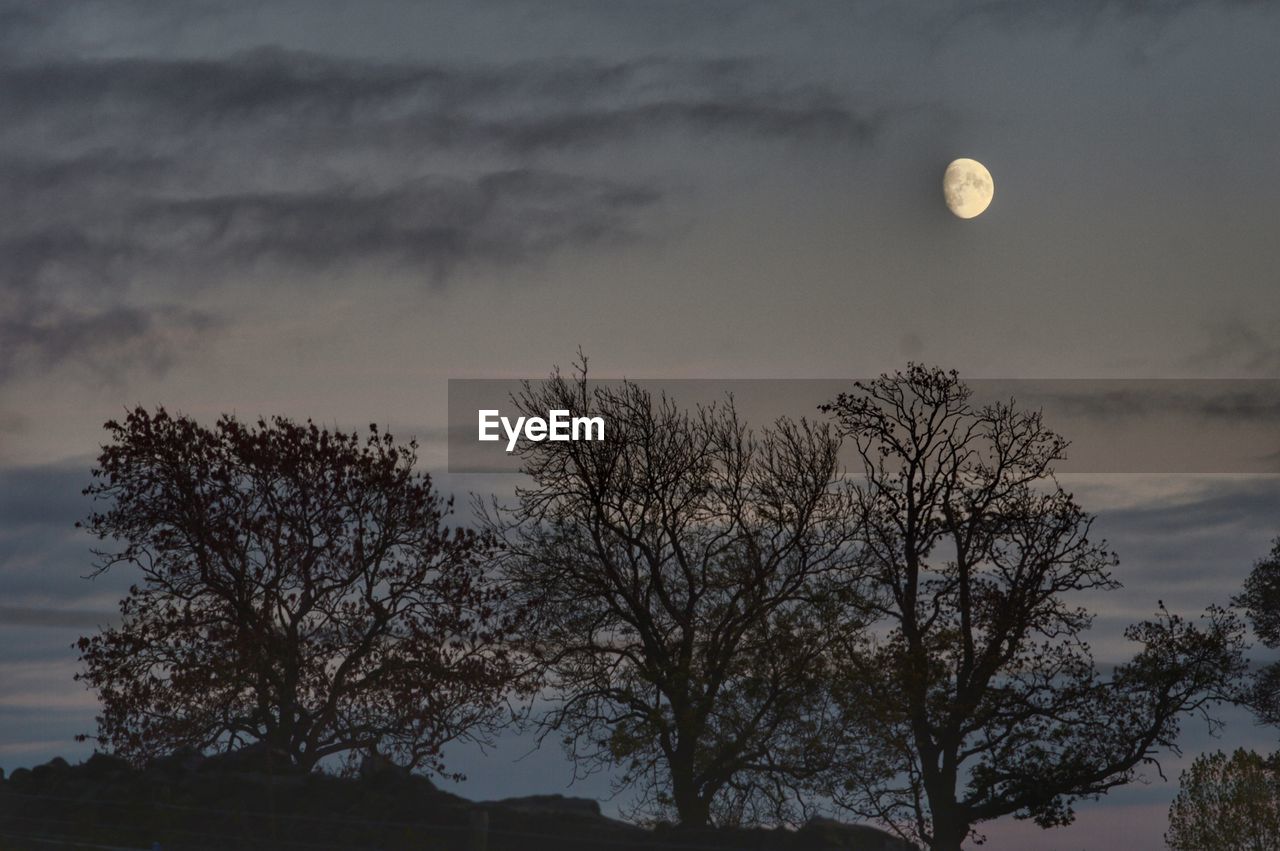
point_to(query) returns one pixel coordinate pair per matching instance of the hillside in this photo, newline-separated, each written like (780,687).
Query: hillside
(190,803)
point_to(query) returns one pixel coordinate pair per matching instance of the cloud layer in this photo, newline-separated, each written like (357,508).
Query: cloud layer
(132,180)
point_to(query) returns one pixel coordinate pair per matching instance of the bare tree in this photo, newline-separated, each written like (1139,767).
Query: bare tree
(297,589)
(982,698)
(689,578)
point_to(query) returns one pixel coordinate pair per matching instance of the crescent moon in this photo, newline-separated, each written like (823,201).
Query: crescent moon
(967,187)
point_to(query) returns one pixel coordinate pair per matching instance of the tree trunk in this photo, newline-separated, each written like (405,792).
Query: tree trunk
(949,831)
(692,808)
(693,804)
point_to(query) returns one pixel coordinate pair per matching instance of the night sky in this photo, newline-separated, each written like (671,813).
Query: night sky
(327,210)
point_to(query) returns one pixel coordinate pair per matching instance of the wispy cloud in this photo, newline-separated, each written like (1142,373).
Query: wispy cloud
(1229,401)
(31,616)
(429,224)
(43,494)
(524,107)
(1224,508)
(1085,14)
(105,342)
(46,696)
(1236,344)
(130,176)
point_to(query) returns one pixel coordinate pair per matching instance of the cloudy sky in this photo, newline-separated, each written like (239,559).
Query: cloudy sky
(327,210)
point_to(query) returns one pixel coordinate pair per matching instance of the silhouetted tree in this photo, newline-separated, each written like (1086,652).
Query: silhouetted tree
(1227,804)
(297,590)
(1261,602)
(684,572)
(981,698)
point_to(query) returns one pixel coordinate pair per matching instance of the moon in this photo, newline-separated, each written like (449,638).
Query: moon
(968,187)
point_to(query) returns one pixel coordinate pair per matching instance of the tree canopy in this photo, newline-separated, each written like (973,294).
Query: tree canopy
(297,588)
(721,617)
(1260,600)
(1227,804)
(690,578)
(981,698)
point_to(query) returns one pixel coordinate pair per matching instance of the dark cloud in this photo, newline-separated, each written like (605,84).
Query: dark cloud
(1233,401)
(30,616)
(51,274)
(101,220)
(90,176)
(105,343)
(1237,345)
(1223,511)
(1143,26)
(66,263)
(12,422)
(1191,425)
(524,108)
(44,495)
(63,257)
(1084,14)
(19,23)
(45,563)
(1191,550)
(44,558)
(123,175)
(433,224)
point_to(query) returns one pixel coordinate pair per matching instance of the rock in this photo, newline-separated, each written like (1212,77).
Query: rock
(375,766)
(179,762)
(102,765)
(549,804)
(57,765)
(853,837)
(257,758)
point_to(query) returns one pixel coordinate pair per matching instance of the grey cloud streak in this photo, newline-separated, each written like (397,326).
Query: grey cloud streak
(33,616)
(428,223)
(1224,508)
(1237,344)
(1229,400)
(1196,548)
(39,336)
(1084,14)
(522,108)
(122,176)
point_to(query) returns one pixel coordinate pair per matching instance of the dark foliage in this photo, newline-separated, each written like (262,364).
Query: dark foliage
(189,804)
(1227,803)
(690,578)
(297,589)
(981,699)
(1261,603)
